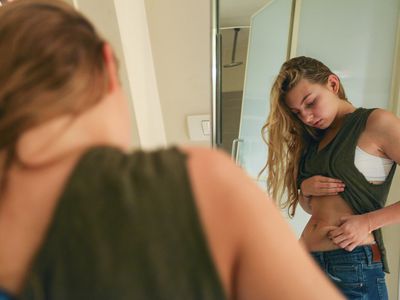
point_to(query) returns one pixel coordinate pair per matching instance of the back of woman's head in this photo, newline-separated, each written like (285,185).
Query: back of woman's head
(284,132)
(51,64)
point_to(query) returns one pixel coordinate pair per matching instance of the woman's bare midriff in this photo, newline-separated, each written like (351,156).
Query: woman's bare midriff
(326,214)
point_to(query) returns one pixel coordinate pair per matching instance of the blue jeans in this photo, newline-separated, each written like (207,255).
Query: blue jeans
(357,273)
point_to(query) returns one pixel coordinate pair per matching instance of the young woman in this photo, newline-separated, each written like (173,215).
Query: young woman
(83,217)
(337,161)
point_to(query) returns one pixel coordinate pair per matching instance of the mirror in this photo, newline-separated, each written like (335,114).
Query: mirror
(361,50)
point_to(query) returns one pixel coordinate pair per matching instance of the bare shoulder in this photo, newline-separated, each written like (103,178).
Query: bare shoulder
(221,188)
(205,155)
(380,121)
(215,172)
(210,159)
(383,128)
(212,173)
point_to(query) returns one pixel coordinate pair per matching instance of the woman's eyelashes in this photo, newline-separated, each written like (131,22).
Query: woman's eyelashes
(307,105)
(310,103)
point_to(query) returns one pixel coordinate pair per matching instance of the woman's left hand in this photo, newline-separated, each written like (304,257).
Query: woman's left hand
(352,232)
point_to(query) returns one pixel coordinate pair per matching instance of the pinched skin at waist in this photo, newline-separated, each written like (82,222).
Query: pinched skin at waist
(326,214)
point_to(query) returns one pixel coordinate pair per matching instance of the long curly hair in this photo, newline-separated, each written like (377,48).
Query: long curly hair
(286,136)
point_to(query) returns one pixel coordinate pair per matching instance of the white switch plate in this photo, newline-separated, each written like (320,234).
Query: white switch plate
(205,126)
(199,127)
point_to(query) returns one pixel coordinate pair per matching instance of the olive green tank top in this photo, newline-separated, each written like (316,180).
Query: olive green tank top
(336,160)
(126,227)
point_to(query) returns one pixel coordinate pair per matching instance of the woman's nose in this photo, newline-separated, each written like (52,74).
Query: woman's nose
(307,117)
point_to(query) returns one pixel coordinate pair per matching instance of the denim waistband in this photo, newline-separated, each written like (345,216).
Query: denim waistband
(363,253)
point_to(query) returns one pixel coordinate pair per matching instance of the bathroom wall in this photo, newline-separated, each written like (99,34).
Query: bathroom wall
(180,33)
(97,12)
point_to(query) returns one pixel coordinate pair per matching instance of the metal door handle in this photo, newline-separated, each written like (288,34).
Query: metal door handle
(235,150)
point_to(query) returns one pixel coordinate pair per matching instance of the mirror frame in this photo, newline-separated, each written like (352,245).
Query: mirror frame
(216,111)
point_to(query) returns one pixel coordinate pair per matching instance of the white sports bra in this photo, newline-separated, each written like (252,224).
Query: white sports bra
(374,168)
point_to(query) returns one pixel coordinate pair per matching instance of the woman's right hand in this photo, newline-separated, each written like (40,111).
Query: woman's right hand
(321,186)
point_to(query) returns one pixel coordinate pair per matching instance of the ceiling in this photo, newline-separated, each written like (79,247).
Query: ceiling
(238,12)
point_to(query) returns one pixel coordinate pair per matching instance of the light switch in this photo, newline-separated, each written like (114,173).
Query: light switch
(205,126)
(199,127)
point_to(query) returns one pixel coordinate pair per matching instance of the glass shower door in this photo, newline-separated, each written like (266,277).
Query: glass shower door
(359,46)
(268,44)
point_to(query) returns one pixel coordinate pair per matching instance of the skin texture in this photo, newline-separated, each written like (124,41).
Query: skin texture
(333,225)
(256,255)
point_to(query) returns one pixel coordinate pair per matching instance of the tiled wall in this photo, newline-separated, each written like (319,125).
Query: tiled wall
(231,108)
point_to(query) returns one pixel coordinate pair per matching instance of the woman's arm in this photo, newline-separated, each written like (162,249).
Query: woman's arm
(253,248)
(386,216)
(382,129)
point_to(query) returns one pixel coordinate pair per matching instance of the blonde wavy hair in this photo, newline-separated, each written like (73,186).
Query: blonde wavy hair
(51,64)
(286,136)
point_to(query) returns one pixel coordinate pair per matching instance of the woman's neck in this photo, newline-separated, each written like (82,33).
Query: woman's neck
(68,134)
(344,108)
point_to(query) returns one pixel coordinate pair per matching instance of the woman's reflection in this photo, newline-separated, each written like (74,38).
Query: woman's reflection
(338,162)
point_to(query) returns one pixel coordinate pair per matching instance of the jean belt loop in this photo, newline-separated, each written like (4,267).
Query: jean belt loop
(368,254)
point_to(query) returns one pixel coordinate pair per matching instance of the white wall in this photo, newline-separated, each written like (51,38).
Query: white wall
(134,31)
(180,33)
(98,11)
